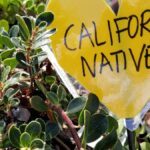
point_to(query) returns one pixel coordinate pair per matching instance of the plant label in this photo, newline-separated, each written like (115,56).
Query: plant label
(108,54)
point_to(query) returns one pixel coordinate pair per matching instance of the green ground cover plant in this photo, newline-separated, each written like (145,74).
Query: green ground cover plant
(36,109)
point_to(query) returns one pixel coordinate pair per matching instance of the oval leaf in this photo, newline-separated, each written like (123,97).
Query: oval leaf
(46,16)
(23,27)
(76,105)
(112,123)
(12,62)
(37,144)
(97,126)
(38,104)
(42,122)
(21,58)
(52,130)
(5,40)
(92,106)
(14,31)
(4,73)
(14,136)
(4,24)
(107,142)
(7,53)
(61,92)
(34,129)
(25,139)
(28,23)
(52,97)
(22,127)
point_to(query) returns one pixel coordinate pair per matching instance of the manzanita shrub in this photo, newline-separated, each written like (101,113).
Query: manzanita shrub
(36,110)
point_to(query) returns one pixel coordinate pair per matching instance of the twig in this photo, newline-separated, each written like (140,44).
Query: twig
(68,122)
(29,48)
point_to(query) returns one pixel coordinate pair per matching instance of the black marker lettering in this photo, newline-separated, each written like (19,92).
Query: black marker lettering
(136,26)
(104,58)
(147,59)
(65,38)
(137,64)
(96,39)
(84,62)
(145,22)
(117,53)
(118,28)
(110,33)
(83,28)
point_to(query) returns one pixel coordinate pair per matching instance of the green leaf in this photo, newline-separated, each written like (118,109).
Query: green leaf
(52,130)
(81,118)
(38,104)
(4,74)
(52,97)
(4,3)
(17,42)
(39,43)
(61,92)
(14,80)
(21,58)
(14,102)
(45,34)
(3,32)
(12,62)
(112,123)
(40,8)
(107,142)
(22,127)
(42,26)
(37,144)
(14,31)
(87,118)
(28,23)
(4,24)
(34,129)
(45,16)
(118,146)
(11,92)
(5,100)
(42,122)
(54,87)
(43,136)
(23,27)
(25,139)
(50,79)
(76,105)
(7,53)
(14,136)
(145,146)
(97,126)
(92,106)
(41,87)
(5,40)
(29,3)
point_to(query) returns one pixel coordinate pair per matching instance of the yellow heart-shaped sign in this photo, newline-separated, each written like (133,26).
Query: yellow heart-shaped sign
(108,54)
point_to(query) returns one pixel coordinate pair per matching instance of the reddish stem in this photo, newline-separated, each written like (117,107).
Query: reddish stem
(69,124)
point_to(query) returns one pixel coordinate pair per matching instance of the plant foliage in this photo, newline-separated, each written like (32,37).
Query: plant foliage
(31,90)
